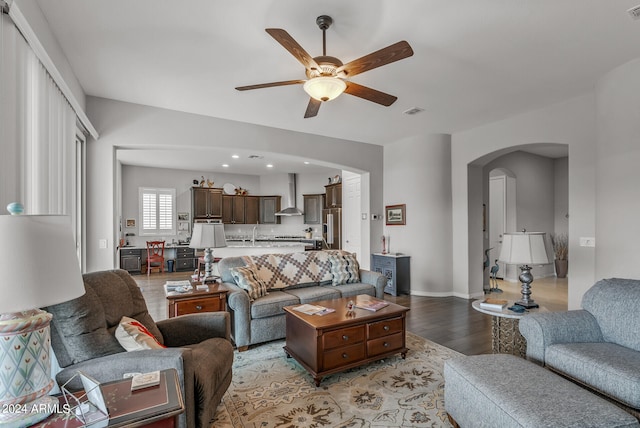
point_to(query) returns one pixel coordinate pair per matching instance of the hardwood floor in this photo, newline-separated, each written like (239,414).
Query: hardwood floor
(449,321)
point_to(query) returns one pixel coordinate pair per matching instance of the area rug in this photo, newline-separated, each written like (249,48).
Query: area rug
(269,390)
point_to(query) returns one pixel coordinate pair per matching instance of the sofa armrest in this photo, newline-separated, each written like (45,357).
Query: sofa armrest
(240,308)
(545,329)
(113,367)
(189,329)
(378,280)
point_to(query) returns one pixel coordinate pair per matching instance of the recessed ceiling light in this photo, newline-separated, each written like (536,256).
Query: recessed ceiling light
(235,156)
(269,165)
(306,162)
(225,165)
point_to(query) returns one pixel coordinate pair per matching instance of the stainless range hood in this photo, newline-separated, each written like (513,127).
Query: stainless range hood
(291,208)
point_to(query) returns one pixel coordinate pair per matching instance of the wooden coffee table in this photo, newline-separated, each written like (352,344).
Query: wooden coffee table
(326,344)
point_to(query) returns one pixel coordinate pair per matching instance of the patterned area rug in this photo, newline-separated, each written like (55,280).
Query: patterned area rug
(269,390)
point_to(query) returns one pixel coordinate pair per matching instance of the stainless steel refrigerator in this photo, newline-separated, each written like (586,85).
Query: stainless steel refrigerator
(332,227)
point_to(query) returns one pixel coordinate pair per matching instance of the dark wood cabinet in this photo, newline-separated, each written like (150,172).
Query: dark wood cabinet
(333,195)
(313,205)
(206,203)
(131,259)
(240,209)
(269,206)
(251,209)
(185,259)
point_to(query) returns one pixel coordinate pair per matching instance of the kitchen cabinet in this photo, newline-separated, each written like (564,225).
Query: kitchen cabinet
(240,209)
(313,205)
(269,206)
(333,195)
(396,268)
(206,202)
(185,259)
(131,259)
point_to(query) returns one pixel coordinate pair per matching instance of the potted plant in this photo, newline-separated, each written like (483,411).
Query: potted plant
(560,244)
(307,232)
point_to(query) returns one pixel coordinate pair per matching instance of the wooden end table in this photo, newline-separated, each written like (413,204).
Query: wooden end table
(214,299)
(155,407)
(326,344)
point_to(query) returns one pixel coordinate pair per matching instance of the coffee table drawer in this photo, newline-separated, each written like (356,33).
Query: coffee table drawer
(211,304)
(384,328)
(384,344)
(343,337)
(342,356)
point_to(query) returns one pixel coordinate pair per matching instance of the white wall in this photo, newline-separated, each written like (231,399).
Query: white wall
(571,122)
(417,173)
(561,195)
(130,125)
(618,157)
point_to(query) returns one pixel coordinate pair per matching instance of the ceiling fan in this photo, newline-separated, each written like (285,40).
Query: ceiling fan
(328,76)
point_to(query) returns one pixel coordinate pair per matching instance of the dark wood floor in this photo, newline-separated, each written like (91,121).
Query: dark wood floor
(449,321)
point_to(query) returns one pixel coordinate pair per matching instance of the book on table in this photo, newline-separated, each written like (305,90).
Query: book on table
(493,304)
(371,305)
(313,309)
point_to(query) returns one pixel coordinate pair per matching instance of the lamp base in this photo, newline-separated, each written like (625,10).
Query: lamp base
(28,414)
(528,304)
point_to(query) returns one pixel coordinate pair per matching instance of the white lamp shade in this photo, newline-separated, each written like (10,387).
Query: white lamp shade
(208,235)
(324,88)
(38,262)
(524,248)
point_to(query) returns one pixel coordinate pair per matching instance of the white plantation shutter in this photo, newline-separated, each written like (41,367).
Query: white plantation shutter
(157,208)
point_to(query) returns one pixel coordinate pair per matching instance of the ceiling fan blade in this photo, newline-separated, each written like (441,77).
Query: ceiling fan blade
(293,47)
(270,85)
(377,59)
(370,94)
(312,108)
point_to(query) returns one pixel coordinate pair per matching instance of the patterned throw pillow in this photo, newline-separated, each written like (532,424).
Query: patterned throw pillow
(247,278)
(345,268)
(133,336)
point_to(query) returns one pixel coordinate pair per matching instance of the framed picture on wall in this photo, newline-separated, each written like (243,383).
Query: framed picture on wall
(183,216)
(396,215)
(131,222)
(183,226)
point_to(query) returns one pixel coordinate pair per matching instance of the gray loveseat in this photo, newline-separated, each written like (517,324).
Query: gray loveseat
(198,345)
(291,279)
(597,346)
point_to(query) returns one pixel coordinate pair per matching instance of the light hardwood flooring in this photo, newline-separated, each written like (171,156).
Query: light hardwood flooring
(449,321)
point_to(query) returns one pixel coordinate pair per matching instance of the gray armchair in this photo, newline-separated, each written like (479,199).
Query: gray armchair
(198,345)
(597,346)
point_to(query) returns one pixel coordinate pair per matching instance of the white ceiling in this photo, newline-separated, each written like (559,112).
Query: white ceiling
(475,61)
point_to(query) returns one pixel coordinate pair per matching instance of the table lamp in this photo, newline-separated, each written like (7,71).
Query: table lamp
(208,236)
(39,268)
(524,248)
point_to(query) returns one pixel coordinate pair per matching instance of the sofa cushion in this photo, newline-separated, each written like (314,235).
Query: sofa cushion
(614,304)
(345,268)
(354,289)
(133,336)
(248,279)
(272,304)
(313,294)
(607,367)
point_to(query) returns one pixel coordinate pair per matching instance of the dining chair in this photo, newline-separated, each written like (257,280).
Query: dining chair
(155,255)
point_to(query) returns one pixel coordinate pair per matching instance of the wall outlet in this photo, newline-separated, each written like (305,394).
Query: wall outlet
(587,242)
(102,243)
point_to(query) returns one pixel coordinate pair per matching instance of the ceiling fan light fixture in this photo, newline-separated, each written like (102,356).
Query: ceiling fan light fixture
(324,88)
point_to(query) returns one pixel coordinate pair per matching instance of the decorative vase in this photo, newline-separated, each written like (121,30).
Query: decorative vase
(561,268)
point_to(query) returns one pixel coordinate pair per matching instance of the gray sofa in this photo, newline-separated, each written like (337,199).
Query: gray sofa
(597,346)
(306,278)
(198,345)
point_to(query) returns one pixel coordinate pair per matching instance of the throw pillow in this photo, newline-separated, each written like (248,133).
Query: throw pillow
(345,268)
(247,278)
(133,336)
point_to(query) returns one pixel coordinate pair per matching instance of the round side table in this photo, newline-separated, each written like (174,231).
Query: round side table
(505,334)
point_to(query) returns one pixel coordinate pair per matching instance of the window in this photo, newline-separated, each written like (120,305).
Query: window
(157,211)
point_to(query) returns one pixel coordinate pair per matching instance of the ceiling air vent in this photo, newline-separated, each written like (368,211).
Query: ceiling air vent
(256,157)
(634,12)
(413,111)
